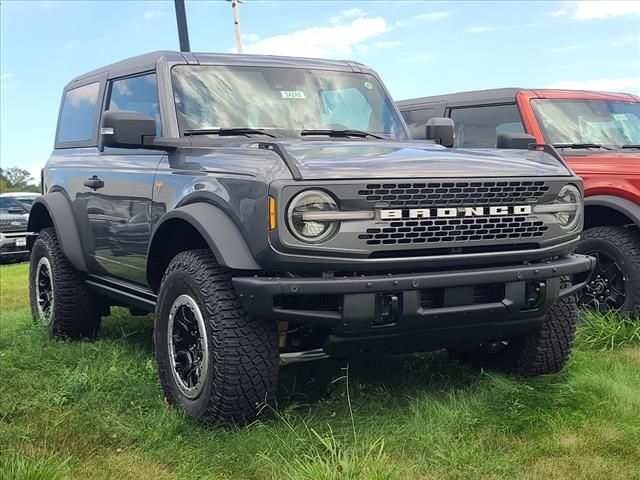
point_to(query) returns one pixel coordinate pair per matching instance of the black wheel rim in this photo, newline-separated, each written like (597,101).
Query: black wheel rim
(606,289)
(44,289)
(188,346)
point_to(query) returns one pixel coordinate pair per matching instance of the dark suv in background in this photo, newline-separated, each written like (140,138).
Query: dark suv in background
(273,209)
(597,134)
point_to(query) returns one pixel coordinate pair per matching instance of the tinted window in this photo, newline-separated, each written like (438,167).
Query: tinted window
(479,126)
(416,121)
(137,94)
(7,203)
(78,116)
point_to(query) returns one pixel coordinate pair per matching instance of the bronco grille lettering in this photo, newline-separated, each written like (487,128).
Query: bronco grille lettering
(398,213)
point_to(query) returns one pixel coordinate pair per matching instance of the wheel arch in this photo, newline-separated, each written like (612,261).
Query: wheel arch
(55,210)
(603,210)
(197,225)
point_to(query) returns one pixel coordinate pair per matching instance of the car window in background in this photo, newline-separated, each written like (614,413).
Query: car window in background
(282,99)
(478,127)
(417,121)
(9,203)
(602,122)
(137,94)
(78,116)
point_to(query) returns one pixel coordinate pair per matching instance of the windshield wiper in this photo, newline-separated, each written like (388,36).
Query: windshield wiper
(580,145)
(630,145)
(228,132)
(341,133)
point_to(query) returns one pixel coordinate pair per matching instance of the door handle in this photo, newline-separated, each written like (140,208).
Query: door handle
(94,182)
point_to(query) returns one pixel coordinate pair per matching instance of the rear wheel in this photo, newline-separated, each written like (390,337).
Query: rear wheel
(216,363)
(615,284)
(58,294)
(541,352)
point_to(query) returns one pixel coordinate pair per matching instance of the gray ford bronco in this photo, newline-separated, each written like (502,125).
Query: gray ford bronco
(272,210)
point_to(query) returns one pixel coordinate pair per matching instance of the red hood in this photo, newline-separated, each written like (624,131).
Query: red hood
(608,173)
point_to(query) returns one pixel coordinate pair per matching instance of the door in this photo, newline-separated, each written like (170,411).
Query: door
(119,187)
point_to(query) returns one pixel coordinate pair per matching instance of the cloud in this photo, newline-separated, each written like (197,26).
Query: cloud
(346,14)
(333,41)
(624,40)
(7,76)
(480,29)
(597,9)
(153,14)
(388,44)
(432,16)
(250,37)
(419,58)
(600,84)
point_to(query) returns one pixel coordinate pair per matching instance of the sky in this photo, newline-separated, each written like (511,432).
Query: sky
(418,47)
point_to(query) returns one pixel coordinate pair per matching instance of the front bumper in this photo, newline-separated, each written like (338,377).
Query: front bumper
(420,311)
(14,243)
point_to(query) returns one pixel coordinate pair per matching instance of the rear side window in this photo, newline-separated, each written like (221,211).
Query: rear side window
(478,127)
(416,121)
(78,115)
(137,94)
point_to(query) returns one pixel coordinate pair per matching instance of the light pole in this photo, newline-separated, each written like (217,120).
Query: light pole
(183,30)
(236,24)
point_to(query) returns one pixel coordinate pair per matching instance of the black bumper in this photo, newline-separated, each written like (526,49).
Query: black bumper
(420,311)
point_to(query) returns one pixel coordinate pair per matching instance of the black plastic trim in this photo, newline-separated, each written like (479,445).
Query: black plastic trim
(622,205)
(123,293)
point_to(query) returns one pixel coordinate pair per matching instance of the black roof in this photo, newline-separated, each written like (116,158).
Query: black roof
(148,61)
(495,95)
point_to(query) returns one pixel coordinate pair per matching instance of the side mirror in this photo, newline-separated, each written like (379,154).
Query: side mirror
(441,130)
(124,129)
(520,141)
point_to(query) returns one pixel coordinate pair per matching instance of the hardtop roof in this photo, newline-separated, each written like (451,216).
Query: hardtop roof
(148,61)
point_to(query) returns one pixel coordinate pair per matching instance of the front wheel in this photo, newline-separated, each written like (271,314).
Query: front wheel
(537,353)
(216,363)
(615,283)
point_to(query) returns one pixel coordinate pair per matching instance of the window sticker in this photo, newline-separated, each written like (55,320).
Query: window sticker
(621,117)
(292,94)
(368,85)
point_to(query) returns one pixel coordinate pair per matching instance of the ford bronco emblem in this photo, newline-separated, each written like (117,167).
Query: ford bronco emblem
(453,212)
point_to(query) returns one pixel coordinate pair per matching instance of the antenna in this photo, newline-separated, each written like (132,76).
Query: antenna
(183,30)
(236,24)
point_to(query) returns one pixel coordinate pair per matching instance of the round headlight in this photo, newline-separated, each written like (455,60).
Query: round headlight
(570,197)
(305,227)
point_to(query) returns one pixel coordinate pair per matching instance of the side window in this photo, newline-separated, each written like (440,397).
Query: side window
(78,115)
(416,121)
(345,108)
(479,126)
(137,94)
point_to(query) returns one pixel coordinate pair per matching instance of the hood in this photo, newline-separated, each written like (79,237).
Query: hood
(320,160)
(623,163)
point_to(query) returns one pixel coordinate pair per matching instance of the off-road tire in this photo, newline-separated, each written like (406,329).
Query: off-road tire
(537,353)
(623,245)
(243,364)
(76,310)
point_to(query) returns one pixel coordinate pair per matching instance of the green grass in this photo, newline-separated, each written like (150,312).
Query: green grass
(95,410)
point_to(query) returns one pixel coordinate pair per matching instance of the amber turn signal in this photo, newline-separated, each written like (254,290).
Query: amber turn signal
(272,213)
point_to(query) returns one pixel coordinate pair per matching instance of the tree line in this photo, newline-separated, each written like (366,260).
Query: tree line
(17,179)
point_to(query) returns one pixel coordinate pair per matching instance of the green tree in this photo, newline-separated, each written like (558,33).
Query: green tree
(16,179)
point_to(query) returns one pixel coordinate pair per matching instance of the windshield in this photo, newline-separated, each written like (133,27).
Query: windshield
(282,100)
(600,122)
(11,205)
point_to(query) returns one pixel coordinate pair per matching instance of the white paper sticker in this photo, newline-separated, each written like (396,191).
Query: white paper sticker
(621,117)
(292,94)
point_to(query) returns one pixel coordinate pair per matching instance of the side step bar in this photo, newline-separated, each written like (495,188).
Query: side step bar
(124,293)
(299,357)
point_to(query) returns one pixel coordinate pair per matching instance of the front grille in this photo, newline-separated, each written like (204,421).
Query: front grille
(434,231)
(6,225)
(446,194)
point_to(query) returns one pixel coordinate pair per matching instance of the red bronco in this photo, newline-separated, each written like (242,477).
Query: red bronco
(597,133)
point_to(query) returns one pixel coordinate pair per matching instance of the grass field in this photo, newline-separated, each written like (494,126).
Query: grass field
(95,410)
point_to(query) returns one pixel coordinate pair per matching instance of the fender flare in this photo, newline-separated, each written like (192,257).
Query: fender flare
(60,210)
(221,234)
(621,205)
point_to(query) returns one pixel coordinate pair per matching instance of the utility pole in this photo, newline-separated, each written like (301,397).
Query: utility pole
(183,30)
(236,24)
